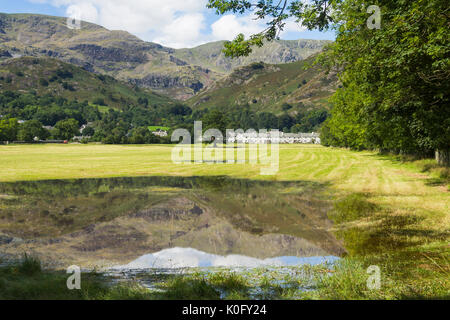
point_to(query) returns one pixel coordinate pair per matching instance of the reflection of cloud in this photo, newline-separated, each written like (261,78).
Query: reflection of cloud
(191,258)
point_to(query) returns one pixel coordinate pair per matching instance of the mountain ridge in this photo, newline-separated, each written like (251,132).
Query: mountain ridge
(179,73)
(275,52)
(48,76)
(292,87)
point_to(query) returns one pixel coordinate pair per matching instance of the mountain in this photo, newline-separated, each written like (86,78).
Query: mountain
(210,55)
(96,49)
(177,73)
(272,88)
(51,76)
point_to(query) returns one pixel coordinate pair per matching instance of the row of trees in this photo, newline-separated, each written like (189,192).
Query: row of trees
(244,118)
(396,80)
(393,60)
(11,130)
(29,131)
(130,124)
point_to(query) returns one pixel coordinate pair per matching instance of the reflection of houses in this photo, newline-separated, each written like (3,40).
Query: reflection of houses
(281,138)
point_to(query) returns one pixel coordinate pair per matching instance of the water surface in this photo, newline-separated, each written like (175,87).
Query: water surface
(167,222)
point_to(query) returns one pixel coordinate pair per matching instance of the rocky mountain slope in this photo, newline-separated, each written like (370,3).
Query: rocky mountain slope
(177,73)
(210,55)
(274,88)
(51,76)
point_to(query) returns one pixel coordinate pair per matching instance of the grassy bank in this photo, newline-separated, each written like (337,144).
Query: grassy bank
(346,280)
(388,212)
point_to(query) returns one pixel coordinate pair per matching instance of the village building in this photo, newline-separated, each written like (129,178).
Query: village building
(160,133)
(281,138)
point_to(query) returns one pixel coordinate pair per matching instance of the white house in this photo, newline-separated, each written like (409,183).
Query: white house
(283,138)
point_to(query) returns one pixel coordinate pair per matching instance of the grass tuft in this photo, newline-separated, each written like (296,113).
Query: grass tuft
(351,208)
(30,265)
(190,288)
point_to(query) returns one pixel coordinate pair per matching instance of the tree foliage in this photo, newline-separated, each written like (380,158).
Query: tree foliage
(313,14)
(8,129)
(32,129)
(395,79)
(67,129)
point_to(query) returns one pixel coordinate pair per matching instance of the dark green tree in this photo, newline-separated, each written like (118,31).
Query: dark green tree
(395,77)
(8,129)
(67,129)
(88,132)
(215,119)
(268,121)
(32,129)
(285,122)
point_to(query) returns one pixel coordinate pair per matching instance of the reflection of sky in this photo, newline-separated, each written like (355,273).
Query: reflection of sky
(192,258)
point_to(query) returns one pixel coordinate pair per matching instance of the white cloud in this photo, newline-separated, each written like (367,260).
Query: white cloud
(229,26)
(85,11)
(183,32)
(173,23)
(292,26)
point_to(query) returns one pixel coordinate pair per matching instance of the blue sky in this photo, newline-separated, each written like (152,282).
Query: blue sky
(173,23)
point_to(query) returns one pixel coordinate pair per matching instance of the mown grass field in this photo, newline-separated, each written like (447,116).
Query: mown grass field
(390,213)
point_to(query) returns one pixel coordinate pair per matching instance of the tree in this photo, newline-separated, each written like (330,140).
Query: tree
(400,76)
(142,135)
(32,129)
(67,129)
(100,102)
(8,129)
(180,109)
(143,101)
(286,106)
(215,119)
(43,82)
(268,121)
(312,14)
(88,132)
(395,79)
(285,122)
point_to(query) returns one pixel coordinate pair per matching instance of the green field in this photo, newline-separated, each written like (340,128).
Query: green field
(156,128)
(387,212)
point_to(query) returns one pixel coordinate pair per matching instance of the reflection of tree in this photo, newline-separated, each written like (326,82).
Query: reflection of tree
(65,188)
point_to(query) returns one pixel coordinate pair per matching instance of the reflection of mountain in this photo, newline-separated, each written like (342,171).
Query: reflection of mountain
(115,221)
